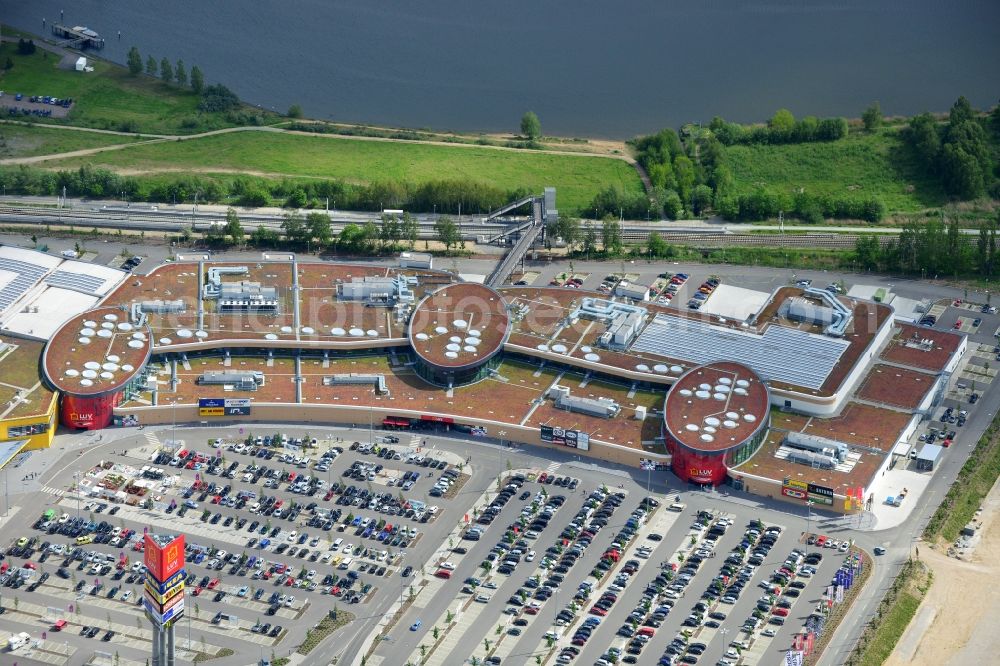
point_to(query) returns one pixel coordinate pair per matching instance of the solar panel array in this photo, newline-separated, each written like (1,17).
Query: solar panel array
(780,354)
(87,284)
(28,276)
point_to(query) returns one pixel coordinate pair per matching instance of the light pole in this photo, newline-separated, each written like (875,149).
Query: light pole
(808,516)
(76,483)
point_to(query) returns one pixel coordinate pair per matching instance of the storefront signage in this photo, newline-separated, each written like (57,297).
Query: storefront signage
(820,494)
(795,489)
(572,438)
(224,407)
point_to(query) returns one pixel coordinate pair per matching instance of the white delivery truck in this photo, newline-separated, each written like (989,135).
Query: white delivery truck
(18,640)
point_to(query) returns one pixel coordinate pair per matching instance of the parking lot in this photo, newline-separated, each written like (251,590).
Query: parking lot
(273,540)
(242,576)
(609,576)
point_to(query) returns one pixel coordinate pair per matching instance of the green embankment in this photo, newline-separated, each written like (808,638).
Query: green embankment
(966,495)
(107,98)
(861,164)
(27,141)
(894,614)
(576,178)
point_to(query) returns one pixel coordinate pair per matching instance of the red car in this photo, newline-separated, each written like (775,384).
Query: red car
(197,590)
(595,610)
(212,584)
(782,612)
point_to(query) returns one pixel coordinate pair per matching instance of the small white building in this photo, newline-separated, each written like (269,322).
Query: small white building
(633,290)
(81,64)
(416,260)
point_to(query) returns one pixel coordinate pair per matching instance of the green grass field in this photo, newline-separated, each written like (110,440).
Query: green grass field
(354,160)
(25,141)
(107,98)
(861,164)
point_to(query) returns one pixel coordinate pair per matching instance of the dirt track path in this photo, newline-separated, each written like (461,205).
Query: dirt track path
(956,623)
(159,138)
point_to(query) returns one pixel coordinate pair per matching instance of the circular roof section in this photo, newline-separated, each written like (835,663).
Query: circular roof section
(109,359)
(710,420)
(475,314)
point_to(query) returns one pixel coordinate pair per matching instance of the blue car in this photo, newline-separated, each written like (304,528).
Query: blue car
(416,625)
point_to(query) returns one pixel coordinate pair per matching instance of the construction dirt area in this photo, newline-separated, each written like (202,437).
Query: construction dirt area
(956,623)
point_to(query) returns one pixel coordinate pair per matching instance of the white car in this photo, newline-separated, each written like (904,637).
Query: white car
(770,633)
(127,595)
(348,548)
(447,566)
(844,546)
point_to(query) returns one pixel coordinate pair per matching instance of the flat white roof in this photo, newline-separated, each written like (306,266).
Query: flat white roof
(55,307)
(735,303)
(6,277)
(40,259)
(112,277)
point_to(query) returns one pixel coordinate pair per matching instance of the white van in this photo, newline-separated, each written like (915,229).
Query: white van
(70,254)
(676,507)
(336,544)
(345,563)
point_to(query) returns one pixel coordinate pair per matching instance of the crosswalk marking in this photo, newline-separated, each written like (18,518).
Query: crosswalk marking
(152,438)
(52,491)
(553,467)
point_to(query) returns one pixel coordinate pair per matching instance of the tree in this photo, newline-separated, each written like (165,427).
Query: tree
(531,127)
(180,74)
(567,228)
(389,230)
(961,111)
(867,252)
(352,237)
(134,61)
(961,172)
(782,121)
(294,111)
(166,71)
(197,80)
(701,199)
(923,137)
(447,231)
(685,174)
(319,228)
(872,117)
(234,229)
(264,237)
(26,46)
(151,67)
(656,247)
(611,235)
(410,229)
(8,64)
(589,238)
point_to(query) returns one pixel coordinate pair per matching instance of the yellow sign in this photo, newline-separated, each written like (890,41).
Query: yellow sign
(798,485)
(166,597)
(847,504)
(211,411)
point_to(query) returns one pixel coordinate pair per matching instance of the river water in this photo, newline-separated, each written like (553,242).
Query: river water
(613,68)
